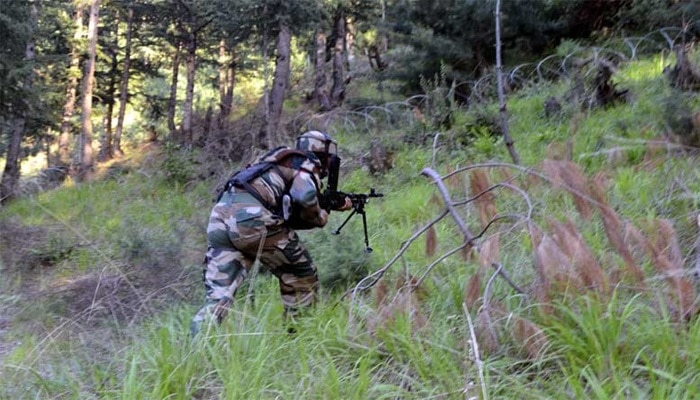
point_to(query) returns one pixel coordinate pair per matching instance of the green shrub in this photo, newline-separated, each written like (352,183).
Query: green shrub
(177,165)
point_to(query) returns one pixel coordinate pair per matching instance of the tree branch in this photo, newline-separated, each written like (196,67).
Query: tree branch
(468,236)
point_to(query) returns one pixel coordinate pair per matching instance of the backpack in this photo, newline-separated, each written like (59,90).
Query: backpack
(251,172)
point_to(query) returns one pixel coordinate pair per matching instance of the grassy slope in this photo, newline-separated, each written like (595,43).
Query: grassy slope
(104,278)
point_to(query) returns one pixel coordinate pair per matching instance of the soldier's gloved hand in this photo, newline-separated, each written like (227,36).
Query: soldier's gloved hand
(346,206)
(221,309)
(322,217)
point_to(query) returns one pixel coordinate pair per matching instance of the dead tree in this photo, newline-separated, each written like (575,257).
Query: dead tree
(606,93)
(502,111)
(683,75)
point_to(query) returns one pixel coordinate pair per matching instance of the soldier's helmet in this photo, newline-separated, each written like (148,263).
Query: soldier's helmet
(321,144)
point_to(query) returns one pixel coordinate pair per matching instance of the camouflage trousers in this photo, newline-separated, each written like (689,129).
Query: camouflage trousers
(240,230)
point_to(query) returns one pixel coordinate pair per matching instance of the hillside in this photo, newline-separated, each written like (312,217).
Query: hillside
(569,275)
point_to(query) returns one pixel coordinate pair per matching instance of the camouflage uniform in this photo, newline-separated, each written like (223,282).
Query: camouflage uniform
(241,229)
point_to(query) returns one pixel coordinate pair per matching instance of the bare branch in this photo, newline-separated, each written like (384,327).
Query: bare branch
(435,144)
(475,350)
(468,236)
(436,262)
(485,307)
(500,271)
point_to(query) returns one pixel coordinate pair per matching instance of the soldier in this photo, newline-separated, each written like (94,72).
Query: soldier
(255,218)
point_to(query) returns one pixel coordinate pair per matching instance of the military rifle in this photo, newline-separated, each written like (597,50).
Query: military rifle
(333,199)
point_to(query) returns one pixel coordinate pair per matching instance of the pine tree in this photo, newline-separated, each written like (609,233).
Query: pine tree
(19,24)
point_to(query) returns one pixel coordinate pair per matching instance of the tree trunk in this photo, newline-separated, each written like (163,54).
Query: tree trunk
(348,41)
(384,40)
(503,113)
(206,129)
(230,84)
(124,87)
(87,161)
(320,94)
(11,173)
(264,141)
(223,55)
(172,102)
(279,85)
(226,82)
(107,148)
(64,141)
(338,89)
(189,91)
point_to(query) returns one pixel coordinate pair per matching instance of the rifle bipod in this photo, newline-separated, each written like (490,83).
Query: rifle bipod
(358,207)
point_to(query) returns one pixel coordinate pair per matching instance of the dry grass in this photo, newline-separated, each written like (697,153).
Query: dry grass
(430,242)
(569,175)
(580,256)
(404,300)
(484,198)
(531,338)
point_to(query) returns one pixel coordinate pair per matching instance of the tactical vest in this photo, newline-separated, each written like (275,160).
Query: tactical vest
(243,178)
